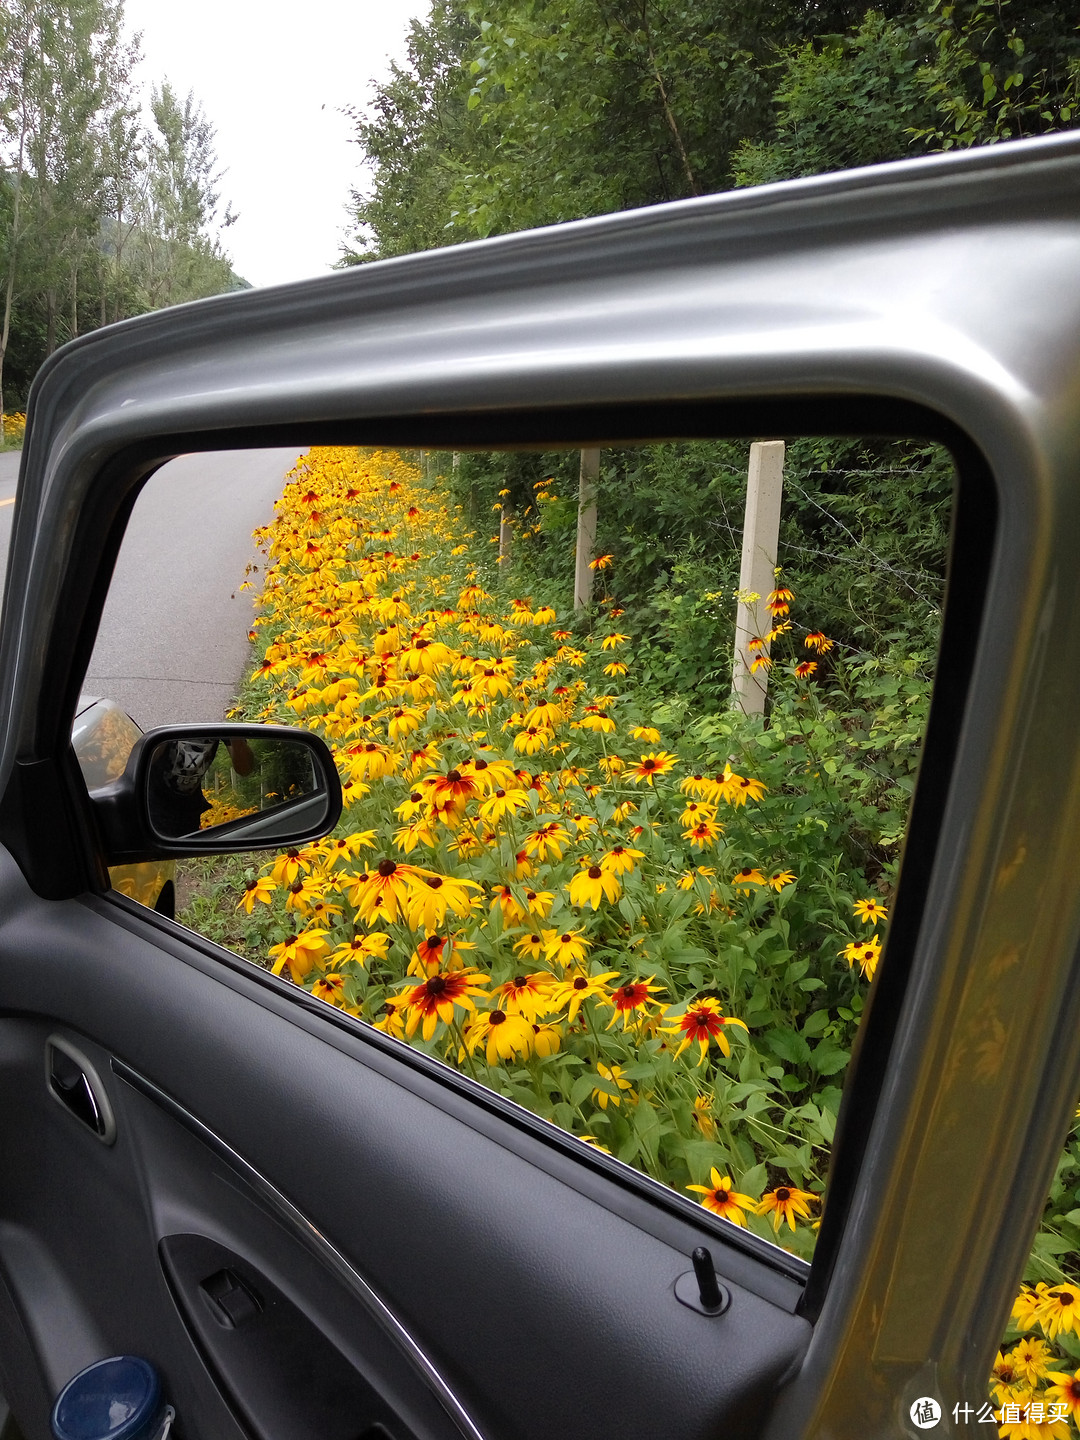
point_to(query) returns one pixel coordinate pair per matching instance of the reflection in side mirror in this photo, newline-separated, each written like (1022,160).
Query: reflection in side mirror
(239,787)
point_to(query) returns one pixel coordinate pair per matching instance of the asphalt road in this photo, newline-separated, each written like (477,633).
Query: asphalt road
(173,643)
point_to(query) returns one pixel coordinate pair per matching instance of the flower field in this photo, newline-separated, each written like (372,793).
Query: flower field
(653,928)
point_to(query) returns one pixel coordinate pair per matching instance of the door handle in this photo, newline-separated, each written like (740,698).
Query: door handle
(74,1083)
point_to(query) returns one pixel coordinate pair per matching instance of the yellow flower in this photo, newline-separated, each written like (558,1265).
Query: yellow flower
(436,997)
(737,789)
(261,889)
(432,897)
(549,839)
(781,878)
(702,1022)
(528,995)
(617,1085)
(302,953)
(723,1199)
(361,948)
(785,1203)
(565,947)
(653,764)
(645,733)
(574,990)
(590,886)
(747,876)
(870,910)
(706,832)
(615,669)
(864,953)
(632,1001)
(612,642)
(1060,1309)
(1031,1360)
(503,1035)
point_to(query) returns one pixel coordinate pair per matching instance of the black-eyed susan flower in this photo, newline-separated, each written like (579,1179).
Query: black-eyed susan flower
(331,988)
(1065,1391)
(865,954)
(301,954)
(503,1035)
(529,947)
(574,989)
(391,1020)
(361,948)
(436,997)
(528,995)
(721,1197)
(704,833)
(651,765)
(614,1086)
(620,859)
(547,1039)
(566,947)
(786,1203)
(746,877)
(815,640)
(431,898)
(1060,1310)
(737,789)
(702,1023)
(870,910)
(260,889)
(781,878)
(1031,1359)
(633,1001)
(602,562)
(547,840)
(593,884)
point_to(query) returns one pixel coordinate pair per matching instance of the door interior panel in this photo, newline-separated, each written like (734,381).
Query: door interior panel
(540,1308)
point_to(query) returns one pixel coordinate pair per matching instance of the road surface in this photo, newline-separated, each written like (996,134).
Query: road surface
(173,643)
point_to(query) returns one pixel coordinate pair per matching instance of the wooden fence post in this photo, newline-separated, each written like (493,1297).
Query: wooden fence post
(757,575)
(585,552)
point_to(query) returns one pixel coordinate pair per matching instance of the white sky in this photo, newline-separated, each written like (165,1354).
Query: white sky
(270,78)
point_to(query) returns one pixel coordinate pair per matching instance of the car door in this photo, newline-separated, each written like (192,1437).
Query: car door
(311,1229)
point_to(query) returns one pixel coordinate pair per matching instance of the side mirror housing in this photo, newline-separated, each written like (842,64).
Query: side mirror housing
(217,789)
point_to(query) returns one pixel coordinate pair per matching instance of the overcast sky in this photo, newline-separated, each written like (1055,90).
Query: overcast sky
(270,79)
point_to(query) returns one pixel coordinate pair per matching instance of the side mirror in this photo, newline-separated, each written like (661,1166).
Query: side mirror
(215,789)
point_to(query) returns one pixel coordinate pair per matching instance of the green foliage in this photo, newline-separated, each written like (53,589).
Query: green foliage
(98,217)
(845,101)
(864,526)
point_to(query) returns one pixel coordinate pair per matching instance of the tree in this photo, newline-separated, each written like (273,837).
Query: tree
(181,253)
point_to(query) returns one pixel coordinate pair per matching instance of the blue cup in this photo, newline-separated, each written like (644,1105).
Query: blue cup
(115,1399)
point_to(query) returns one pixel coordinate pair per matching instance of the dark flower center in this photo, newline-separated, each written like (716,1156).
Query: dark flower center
(496,1018)
(783,1194)
(595,872)
(581,983)
(387,868)
(436,985)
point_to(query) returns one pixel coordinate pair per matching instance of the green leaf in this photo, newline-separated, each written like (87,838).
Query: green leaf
(788,1046)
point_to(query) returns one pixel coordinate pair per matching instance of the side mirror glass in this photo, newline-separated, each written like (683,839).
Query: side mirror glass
(214,789)
(244,787)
